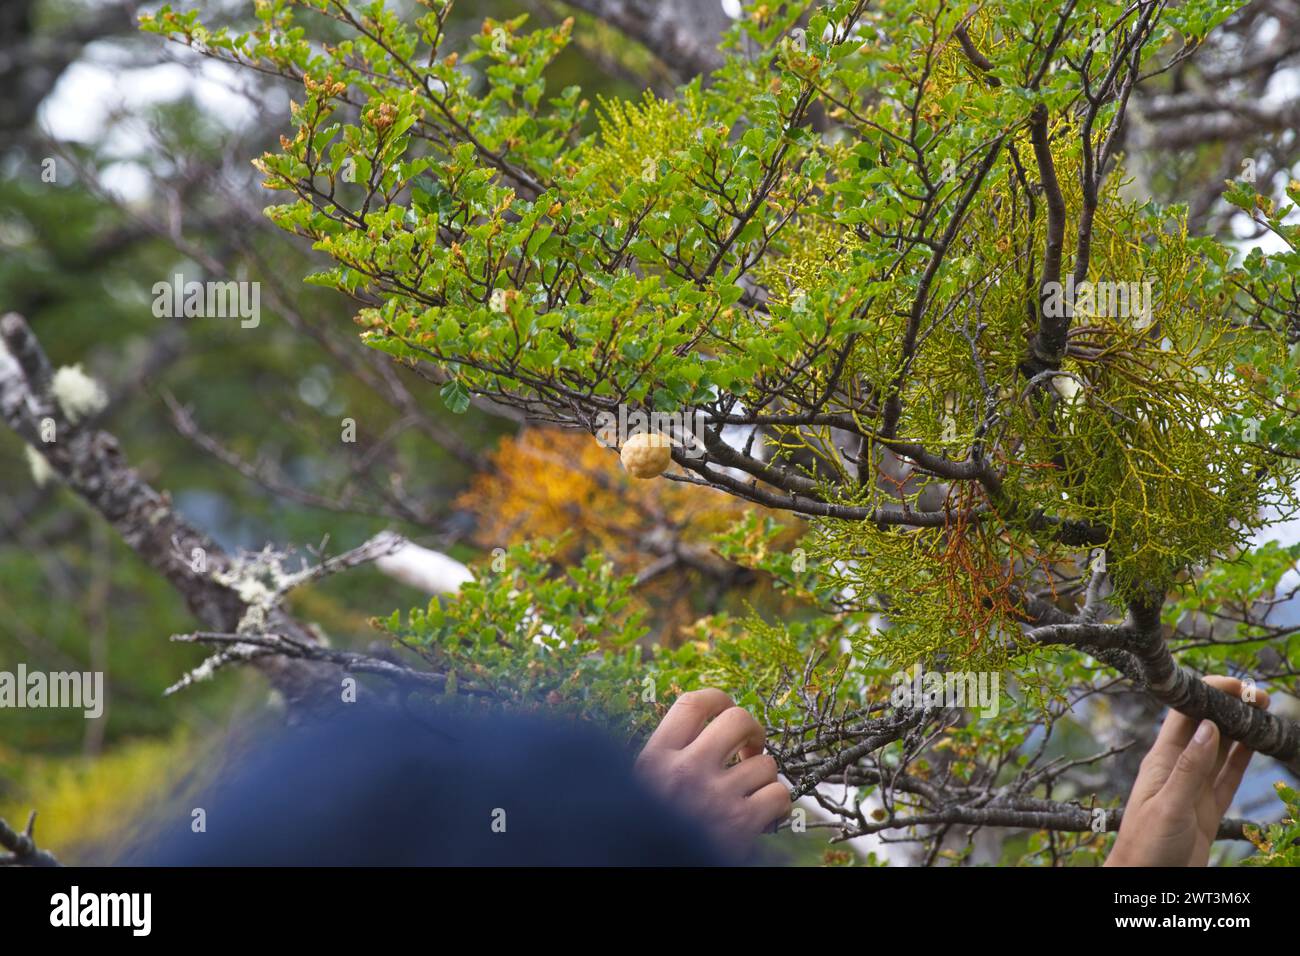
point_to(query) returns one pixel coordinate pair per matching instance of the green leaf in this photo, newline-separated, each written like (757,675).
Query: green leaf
(455,396)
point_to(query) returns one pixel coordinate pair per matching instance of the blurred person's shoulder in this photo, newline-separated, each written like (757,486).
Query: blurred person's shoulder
(445,786)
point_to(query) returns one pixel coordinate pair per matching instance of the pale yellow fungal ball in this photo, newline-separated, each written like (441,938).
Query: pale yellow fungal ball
(646,455)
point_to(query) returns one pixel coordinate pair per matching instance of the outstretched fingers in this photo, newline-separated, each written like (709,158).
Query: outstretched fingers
(1177,733)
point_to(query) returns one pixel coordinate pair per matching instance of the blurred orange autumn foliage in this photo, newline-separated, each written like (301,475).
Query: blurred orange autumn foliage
(545,482)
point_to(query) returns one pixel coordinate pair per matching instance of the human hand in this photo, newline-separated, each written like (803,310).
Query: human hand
(1183,789)
(687,757)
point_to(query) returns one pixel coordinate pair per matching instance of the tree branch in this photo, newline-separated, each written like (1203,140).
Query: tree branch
(90,462)
(22,847)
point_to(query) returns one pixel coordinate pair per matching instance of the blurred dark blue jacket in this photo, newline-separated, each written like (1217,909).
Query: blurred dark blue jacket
(388,788)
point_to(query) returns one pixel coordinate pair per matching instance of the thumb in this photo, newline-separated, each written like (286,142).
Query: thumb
(1194,771)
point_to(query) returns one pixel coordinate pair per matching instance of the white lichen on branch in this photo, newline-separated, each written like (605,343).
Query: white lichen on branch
(79,395)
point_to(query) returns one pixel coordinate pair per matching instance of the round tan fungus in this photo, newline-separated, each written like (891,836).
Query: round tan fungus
(646,455)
